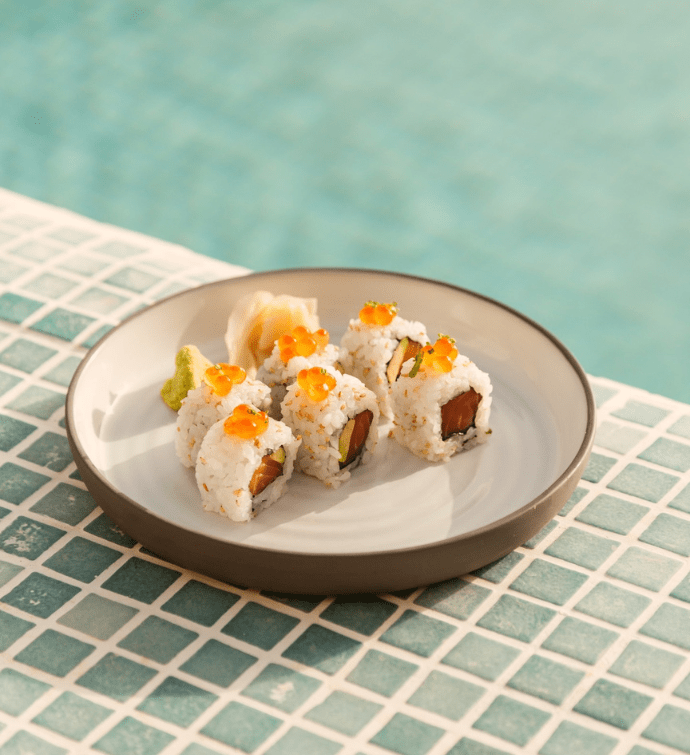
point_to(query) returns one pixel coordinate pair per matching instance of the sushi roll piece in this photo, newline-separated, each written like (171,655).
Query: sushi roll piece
(442,404)
(244,463)
(376,345)
(297,350)
(337,417)
(223,387)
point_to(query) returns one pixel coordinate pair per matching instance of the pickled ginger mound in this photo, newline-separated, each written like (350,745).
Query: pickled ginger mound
(190,366)
(258,319)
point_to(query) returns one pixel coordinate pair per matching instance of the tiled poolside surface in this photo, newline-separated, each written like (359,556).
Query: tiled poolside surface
(577,643)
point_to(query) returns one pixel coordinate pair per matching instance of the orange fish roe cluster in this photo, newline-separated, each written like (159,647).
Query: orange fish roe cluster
(316,382)
(301,342)
(375,313)
(221,377)
(246,422)
(440,356)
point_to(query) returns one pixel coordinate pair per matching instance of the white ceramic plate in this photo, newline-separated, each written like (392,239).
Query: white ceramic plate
(399,521)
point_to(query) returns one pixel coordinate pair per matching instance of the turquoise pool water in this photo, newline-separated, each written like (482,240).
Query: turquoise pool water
(537,153)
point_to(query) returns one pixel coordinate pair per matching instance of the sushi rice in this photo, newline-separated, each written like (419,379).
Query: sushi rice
(321,423)
(226,463)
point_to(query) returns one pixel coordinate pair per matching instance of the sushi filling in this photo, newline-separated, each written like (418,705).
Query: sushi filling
(406,349)
(458,414)
(353,437)
(270,467)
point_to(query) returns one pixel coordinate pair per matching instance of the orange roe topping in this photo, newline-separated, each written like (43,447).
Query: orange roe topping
(374,313)
(316,382)
(246,422)
(301,342)
(221,377)
(440,356)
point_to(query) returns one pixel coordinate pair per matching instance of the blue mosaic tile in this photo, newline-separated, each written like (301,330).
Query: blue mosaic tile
(97,617)
(240,726)
(681,427)
(120,249)
(10,271)
(25,222)
(18,483)
(613,704)
(105,528)
(63,323)
(363,614)
(497,571)
(71,235)
(132,279)
(26,355)
(16,309)
(572,739)
(141,580)
(62,373)
(534,541)
(35,251)
(642,414)
(55,653)
(577,495)
(7,382)
(12,628)
(304,603)
(582,548)
(481,656)
(131,736)
(157,639)
(218,663)
(24,742)
(50,450)
(511,720)
(682,590)
(18,691)
(517,618)
(99,301)
(177,701)
(670,533)
(8,572)
(418,633)
(467,746)
(681,502)
(344,713)
(29,538)
(37,402)
(83,265)
(304,742)
(322,649)
(72,716)
(545,679)
(618,438)
(116,677)
(200,603)
(281,688)
(613,604)
(49,286)
(643,482)
(39,595)
(382,673)
(96,336)
(407,736)
(671,624)
(446,695)
(646,664)
(602,393)
(671,727)
(668,453)
(455,597)
(13,431)
(597,467)
(82,559)
(259,625)
(644,568)
(613,514)
(555,584)
(66,503)
(683,689)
